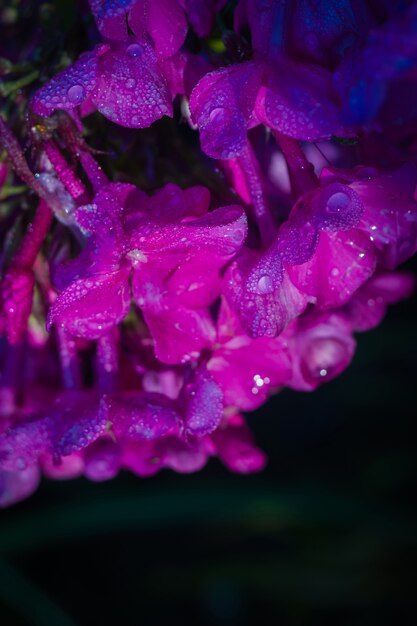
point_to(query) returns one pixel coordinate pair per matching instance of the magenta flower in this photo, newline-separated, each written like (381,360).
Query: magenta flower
(137,327)
(155,241)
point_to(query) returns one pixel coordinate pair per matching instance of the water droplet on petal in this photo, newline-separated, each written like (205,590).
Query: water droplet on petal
(265,284)
(76,94)
(134,50)
(219,114)
(338,202)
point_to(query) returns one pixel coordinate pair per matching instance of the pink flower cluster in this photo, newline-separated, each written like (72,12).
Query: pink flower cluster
(169,314)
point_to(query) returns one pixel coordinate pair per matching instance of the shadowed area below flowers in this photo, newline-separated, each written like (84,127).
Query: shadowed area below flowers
(326,534)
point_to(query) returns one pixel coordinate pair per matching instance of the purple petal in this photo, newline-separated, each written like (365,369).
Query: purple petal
(130,88)
(140,415)
(102,460)
(180,456)
(367,307)
(90,307)
(364,76)
(164,21)
(236,448)
(103,218)
(204,404)
(75,423)
(390,216)
(16,486)
(202,14)
(298,101)
(179,333)
(21,445)
(69,88)
(110,16)
(264,313)
(325,31)
(222,104)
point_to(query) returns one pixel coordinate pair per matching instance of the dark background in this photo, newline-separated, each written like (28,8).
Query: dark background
(325,535)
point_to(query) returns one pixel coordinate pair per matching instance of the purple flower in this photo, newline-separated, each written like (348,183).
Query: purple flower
(157,242)
(186,309)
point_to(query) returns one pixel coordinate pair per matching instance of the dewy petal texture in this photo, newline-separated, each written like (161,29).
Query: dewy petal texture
(123,81)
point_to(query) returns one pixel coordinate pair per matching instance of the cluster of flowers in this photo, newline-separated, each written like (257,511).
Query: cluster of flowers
(168,316)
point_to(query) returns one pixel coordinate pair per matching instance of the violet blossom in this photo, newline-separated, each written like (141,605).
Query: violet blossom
(191,303)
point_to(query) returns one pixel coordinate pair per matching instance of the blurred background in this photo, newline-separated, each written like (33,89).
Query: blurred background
(326,535)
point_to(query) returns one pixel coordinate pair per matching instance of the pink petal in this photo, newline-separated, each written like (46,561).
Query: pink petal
(236,448)
(179,333)
(342,262)
(390,217)
(321,348)
(180,456)
(248,370)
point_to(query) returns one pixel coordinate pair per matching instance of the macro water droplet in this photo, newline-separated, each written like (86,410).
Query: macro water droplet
(134,50)
(130,83)
(335,272)
(337,202)
(76,94)
(219,114)
(265,284)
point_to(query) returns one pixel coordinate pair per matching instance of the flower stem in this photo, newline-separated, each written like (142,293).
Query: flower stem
(251,169)
(64,171)
(108,362)
(34,238)
(93,170)
(70,365)
(300,170)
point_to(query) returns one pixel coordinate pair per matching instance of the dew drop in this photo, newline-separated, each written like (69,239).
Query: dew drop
(338,202)
(265,284)
(134,50)
(219,114)
(130,83)
(76,94)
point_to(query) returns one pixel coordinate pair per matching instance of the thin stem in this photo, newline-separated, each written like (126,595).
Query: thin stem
(70,364)
(252,171)
(300,170)
(34,238)
(96,176)
(64,171)
(108,362)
